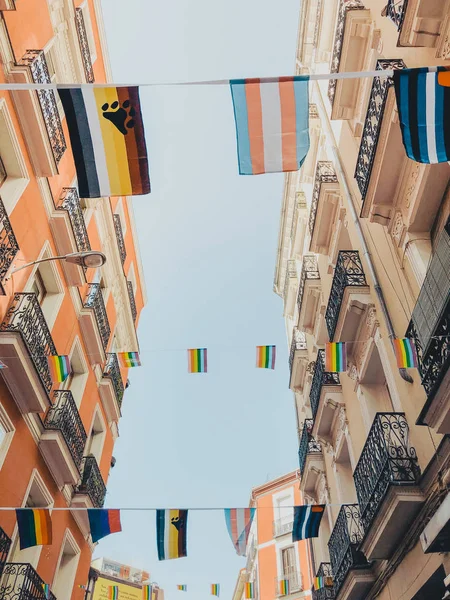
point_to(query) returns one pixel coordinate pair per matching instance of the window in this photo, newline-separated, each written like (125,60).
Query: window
(3,174)
(96,438)
(289,568)
(6,434)
(38,287)
(67,568)
(76,381)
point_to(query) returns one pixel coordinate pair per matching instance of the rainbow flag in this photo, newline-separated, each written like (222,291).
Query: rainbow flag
(182,588)
(272,123)
(108,140)
(239,522)
(147,592)
(129,359)
(284,587)
(171,533)
(103,521)
(59,367)
(321,582)
(113,592)
(215,589)
(335,357)
(265,357)
(406,353)
(2,365)
(35,527)
(46,590)
(197,360)
(249,590)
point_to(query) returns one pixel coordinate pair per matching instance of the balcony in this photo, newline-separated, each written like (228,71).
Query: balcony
(290,287)
(69,230)
(283,526)
(324,206)
(327,591)
(132,301)
(119,237)
(63,441)
(7,5)
(25,344)
(352,573)
(298,360)
(419,22)
(325,397)
(308,298)
(349,297)
(95,325)
(39,115)
(111,388)
(90,493)
(84,46)
(8,245)
(310,458)
(386,481)
(294,579)
(351,42)
(5,544)
(21,582)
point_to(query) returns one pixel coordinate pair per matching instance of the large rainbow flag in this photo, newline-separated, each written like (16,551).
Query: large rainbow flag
(35,527)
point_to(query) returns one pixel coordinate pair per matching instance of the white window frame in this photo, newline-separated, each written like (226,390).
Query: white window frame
(70,540)
(9,430)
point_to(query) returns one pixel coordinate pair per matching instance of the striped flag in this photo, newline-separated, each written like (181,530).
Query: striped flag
(182,588)
(265,357)
(113,592)
(35,527)
(146,592)
(215,589)
(103,522)
(46,590)
(198,360)
(307,521)
(321,582)
(60,367)
(284,587)
(335,357)
(129,359)
(239,522)
(249,590)
(406,353)
(272,121)
(423,100)
(108,141)
(171,533)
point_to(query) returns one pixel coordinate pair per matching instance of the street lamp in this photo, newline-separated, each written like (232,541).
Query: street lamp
(91,259)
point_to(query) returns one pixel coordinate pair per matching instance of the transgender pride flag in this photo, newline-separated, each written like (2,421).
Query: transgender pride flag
(272,119)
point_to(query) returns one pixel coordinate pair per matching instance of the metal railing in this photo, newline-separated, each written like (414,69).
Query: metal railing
(5,544)
(112,371)
(282,526)
(84,46)
(348,272)
(396,10)
(70,202)
(308,445)
(373,122)
(92,482)
(8,245)
(132,300)
(21,582)
(343,544)
(119,237)
(320,378)
(35,61)
(63,416)
(294,579)
(298,343)
(25,316)
(325,173)
(344,6)
(309,271)
(94,300)
(326,592)
(387,459)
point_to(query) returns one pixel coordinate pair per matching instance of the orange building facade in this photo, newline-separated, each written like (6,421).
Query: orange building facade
(56,440)
(272,556)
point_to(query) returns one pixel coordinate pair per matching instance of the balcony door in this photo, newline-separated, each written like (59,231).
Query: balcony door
(283,514)
(289,565)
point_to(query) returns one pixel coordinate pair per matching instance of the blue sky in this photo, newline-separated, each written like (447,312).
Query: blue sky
(208,240)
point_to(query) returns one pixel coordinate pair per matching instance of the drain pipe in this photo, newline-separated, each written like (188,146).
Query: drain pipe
(365,250)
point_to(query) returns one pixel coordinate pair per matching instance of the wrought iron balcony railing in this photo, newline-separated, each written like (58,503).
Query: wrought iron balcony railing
(348,272)
(21,582)
(308,445)
(387,459)
(63,416)
(343,544)
(395,10)
(294,579)
(373,122)
(298,343)
(320,378)
(325,173)
(344,6)
(94,300)
(132,300)
(309,271)
(112,371)
(70,202)
(8,245)
(327,591)
(92,482)
(282,526)
(35,60)
(25,316)
(5,544)
(84,46)
(119,237)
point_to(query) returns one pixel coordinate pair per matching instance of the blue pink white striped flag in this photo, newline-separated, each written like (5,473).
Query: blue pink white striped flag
(239,522)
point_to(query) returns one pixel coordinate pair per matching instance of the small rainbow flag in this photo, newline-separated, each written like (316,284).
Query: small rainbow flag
(249,590)
(113,592)
(284,587)
(35,527)
(321,582)
(406,353)
(215,589)
(335,357)
(59,367)
(265,357)
(146,592)
(197,360)
(46,590)
(182,588)
(129,359)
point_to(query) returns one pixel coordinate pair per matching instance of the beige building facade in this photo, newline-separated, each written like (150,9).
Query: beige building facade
(363,257)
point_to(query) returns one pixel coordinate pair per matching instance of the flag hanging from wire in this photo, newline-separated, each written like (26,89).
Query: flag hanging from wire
(171,533)
(182,587)
(239,522)
(307,521)
(103,521)
(215,589)
(35,527)
(265,357)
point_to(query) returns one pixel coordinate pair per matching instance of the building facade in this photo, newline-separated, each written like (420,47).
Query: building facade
(105,573)
(272,557)
(364,257)
(56,440)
